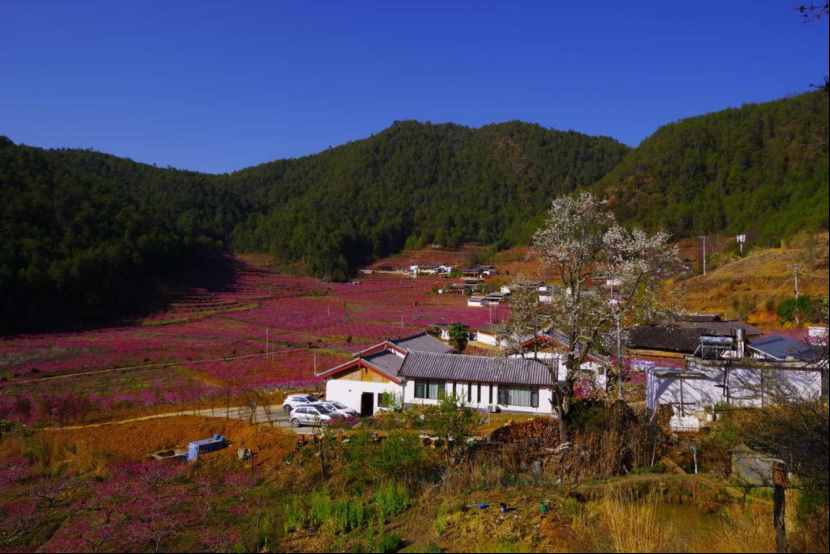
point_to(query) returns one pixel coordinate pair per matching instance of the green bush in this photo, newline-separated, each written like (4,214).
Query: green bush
(294,515)
(390,499)
(383,543)
(349,514)
(320,509)
(801,309)
(400,456)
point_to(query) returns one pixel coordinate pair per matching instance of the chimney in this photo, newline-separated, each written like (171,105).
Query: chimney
(739,342)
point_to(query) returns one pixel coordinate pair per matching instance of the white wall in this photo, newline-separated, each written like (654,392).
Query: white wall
(743,387)
(487,338)
(348,392)
(461,392)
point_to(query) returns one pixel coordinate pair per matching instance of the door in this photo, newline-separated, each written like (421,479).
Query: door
(367,404)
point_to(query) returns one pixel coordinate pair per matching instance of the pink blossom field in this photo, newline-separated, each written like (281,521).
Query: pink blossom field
(210,342)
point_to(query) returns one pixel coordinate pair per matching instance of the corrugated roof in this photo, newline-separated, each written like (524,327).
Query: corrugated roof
(423,342)
(477,369)
(781,348)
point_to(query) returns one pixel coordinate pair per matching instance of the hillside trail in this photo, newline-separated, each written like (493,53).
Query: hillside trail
(271,414)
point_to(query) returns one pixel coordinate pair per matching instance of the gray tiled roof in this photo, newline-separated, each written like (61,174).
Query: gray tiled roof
(387,361)
(423,342)
(477,369)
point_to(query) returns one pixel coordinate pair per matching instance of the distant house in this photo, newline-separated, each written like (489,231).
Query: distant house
(489,335)
(496,298)
(817,335)
(477,301)
(420,370)
(552,344)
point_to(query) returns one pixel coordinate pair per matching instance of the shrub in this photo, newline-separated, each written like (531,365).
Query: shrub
(390,499)
(294,517)
(383,543)
(348,514)
(801,309)
(399,456)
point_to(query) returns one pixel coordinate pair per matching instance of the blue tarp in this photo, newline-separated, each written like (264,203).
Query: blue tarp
(201,446)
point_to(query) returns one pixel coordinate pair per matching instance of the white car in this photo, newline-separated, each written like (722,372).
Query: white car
(341,408)
(294,400)
(313,415)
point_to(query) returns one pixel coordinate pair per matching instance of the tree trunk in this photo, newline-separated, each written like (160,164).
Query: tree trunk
(563,429)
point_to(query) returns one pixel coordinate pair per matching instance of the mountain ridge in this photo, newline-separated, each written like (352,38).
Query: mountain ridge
(90,233)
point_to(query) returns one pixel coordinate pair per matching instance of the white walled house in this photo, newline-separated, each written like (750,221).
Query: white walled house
(365,381)
(483,382)
(421,370)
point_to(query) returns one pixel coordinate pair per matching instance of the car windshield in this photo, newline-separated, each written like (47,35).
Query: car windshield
(339,405)
(323,409)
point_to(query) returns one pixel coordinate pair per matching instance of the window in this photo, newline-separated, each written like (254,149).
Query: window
(478,398)
(469,392)
(386,399)
(490,387)
(519,396)
(432,390)
(454,393)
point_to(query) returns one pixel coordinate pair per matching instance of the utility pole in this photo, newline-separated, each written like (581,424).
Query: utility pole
(741,240)
(796,268)
(704,253)
(619,355)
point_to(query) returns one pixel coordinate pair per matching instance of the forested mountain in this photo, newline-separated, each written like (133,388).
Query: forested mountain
(415,184)
(87,235)
(761,169)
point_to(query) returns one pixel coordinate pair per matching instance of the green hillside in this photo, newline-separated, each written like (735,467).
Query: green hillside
(761,169)
(416,184)
(88,236)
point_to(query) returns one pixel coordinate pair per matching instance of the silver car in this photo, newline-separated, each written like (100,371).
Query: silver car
(339,408)
(314,416)
(294,400)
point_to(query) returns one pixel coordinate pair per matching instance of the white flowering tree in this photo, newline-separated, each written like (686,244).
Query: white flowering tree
(610,278)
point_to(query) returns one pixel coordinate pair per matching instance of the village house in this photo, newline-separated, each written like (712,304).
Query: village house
(726,371)
(421,370)
(370,379)
(667,344)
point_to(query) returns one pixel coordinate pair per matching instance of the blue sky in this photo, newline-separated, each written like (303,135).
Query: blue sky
(217,86)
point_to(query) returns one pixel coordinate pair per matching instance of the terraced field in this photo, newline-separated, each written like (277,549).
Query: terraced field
(264,330)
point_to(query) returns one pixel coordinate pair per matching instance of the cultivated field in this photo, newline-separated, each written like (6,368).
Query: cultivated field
(211,345)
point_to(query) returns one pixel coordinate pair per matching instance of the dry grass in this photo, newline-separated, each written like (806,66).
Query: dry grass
(94,449)
(746,528)
(764,274)
(633,524)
